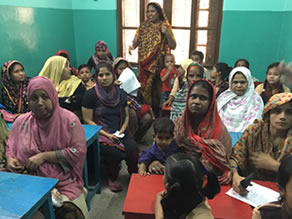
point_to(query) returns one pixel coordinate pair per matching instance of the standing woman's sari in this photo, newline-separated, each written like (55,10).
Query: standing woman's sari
(13,98)
(211,142)
(152,45)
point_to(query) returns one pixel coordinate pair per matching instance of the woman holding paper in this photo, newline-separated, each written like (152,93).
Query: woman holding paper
(106,105)
(141,115)
(264,143)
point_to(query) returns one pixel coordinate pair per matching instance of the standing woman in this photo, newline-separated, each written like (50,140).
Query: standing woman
(240,105)
(102,53)
(153,38)
(106,105)
(69,87)
(14,87)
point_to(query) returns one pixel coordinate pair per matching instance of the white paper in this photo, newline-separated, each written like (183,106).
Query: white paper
(256,196)
(130,84)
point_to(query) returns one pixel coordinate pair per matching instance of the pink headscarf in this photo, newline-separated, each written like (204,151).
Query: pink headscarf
(60,131)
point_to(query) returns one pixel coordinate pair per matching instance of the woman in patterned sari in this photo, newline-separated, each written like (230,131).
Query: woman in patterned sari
(14,87)
(153,38)
(264,143)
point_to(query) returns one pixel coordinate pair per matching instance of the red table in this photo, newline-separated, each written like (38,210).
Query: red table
(142,192)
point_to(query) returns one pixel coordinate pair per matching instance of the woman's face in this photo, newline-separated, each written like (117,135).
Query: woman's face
(66,74)
(193,74)
(152,14)
(105,77)
(17,73)
(273,76)
(181,71)
(101,53)
(281,117)
(239,84)
(40,104)
(199,101)
(121,67)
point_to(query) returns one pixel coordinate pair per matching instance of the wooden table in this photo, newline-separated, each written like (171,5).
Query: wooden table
(140,199)
(22,195)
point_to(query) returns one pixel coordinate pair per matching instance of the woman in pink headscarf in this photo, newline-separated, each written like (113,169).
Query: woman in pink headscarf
(50,142)
(102,53)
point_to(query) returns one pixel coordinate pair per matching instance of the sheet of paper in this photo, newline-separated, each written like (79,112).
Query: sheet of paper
(129,81)
(257,195)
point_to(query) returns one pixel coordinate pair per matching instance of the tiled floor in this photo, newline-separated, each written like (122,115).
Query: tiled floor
(109,205)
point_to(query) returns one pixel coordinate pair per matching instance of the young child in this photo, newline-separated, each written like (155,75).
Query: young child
(164,146)
(185,195)
(167,75)
(85,75)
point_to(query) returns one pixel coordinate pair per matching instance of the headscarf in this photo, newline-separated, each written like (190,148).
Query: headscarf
(101,44)
(237,112)
(14,99)
(53,70)
(60,131)
(210,142)
(64,52)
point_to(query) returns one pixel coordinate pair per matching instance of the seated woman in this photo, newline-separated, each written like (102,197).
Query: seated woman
(3,139)
(185,195)
(14,87)
(220,74)
(194,72)
(70,88)
(102,53)
(178,81)
(272,84)
(50,142)
(281,209)
(240,105)
(106,105)
(201,133)
(141,115)
(264,143)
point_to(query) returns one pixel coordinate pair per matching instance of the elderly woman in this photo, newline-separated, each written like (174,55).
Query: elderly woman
(69,88)
(102,53)
(14,87)
(106,105)
(240,105)
(201,133)
(264,143)
(50,142)
(153,38)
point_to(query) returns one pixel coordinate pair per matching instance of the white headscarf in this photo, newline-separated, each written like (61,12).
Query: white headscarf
(238,112)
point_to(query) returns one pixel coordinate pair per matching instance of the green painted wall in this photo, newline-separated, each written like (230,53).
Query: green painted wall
(31,35)
(91,26)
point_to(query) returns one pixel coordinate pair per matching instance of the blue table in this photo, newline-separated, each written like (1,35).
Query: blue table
(92,134)
(22,195)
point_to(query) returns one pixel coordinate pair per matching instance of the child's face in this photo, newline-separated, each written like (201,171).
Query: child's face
(181,71)
(169,61)
(196,58)
(101,53)
(163,140)
(84,74)
(121,67)
(213,73)
(273,76)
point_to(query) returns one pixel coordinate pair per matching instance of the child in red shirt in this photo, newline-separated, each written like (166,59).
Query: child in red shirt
(167,75)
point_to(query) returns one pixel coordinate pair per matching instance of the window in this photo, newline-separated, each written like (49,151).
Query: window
(196,25)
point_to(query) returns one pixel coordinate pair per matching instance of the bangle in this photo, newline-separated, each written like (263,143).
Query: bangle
(235,167)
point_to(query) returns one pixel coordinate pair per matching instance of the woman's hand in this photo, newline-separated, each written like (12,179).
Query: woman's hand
(156,167)
(118,83)
(164,29)
(35,161)
(130,49)
(236,179)
(113,138)
(169,101)
(13,165)
(263,161)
